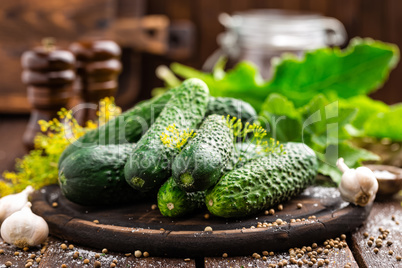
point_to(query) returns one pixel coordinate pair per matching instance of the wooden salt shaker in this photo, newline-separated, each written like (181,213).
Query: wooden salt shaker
(98,67)
(49,74)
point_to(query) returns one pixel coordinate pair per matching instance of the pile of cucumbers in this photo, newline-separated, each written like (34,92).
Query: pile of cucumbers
(125,160)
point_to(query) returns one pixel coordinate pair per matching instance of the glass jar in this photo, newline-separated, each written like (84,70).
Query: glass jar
(260,35)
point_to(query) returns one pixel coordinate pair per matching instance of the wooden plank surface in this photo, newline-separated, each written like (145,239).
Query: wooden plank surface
(52,255)
(388,216)
(336,258)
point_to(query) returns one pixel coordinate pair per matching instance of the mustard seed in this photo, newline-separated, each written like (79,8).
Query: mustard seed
(55,204)
(114,261)
(29,264)
(96,221)
(347,266)
(271,253)
(257,256)
(299,205)
(38,260)
(365,234)
(86,261)
(305,261)
(393,217)
(389,243)
(63,246)
(370,243)
(376,250)
(313,260)
(398,258)
(16,253)
(63,266)
(32,256)
(271,211)
(187,259)
(70,246)
(137,253)
(390,252)
(112,265)
(299,255)
(343,236)
(264,258)
(310,263)
(326,261)
(97,256)
(292,260)
(127,254)
(314,245)
(397,222)
(300,263)
(326,251)
(309,249)
(154,206)
(279,221)
(145,254)
(371,238)
(320,263)
(280,207)
(1,251)
(97,264)
(75,255)
(104,251)
(265,253)
(224,255)
(208,229)
(206,216)
(8,263)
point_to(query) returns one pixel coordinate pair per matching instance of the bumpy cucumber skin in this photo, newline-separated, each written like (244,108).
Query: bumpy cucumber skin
(175,202)
(203,158)
(125,128)
(94,176)
(233,107)
(263,182)
(150,163)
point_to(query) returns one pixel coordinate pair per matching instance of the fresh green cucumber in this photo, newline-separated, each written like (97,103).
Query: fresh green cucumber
(125,128)
(94,176)
(263,182)
(175,202)
(199,165)
(150,163)
(233,107)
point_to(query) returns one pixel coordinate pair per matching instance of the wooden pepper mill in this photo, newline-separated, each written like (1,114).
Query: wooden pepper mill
(49,75)
(98,67)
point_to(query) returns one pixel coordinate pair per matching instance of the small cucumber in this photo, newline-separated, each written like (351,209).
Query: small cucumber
(150,163)
(125,128)
(94,176)
(175,202)
(263,182)
(199,165)
(233,107)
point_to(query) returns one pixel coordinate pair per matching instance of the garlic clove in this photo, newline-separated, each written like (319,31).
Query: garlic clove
(24,229)
(358,186)
(14,202)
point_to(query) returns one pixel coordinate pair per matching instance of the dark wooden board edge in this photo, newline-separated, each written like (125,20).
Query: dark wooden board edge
(199,244)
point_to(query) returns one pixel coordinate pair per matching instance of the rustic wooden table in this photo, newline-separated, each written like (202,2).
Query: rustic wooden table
(355,252)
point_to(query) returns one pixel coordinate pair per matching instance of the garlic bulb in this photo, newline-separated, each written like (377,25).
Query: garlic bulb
(14,202)
(24,229)
(358,186)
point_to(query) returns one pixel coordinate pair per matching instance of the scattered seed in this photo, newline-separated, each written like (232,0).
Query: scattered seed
(112,265)
(38,260)
(96,221)
(63,246)
(398,258)
(55,204)
(224,255)
(326,251)
(145,254)
(299,205)
(32,256)
(127,254)
(63,266)
(76,255)
(314,245)
(154,206)
(264,258)
(104,251)
(8,263)
(1,251)
(265,253)
(370,243)
(390,252)
(310,263)
(320,263)
(279,221)
(206,216)
(389,243)
(376,250)
(16,253)
(347,266)
(86,261)
(397,222)
(29,264)
(266,212)
(300,263)
(365,234)
(97,264)
(187,260)
(137,253)
(71,246)
(114,261)
(280,207)
(271,253)
(371,238)
(271,211)
(393,217)
(208,229)
(343,236)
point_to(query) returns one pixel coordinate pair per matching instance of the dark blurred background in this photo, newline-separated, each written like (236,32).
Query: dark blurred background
(158,32)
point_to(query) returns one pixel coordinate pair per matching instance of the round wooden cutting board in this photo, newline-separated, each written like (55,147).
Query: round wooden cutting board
(138,227)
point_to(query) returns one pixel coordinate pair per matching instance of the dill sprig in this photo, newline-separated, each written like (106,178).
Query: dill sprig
(39,167)
(257,135)
(176,138)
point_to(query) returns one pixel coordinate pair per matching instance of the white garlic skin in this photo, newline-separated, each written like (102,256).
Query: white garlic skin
(358,186)
(24,229)
(14,202)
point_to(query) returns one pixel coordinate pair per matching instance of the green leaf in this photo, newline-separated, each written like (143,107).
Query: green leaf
(386,124)
(280,118)
(352,155)
(360,69)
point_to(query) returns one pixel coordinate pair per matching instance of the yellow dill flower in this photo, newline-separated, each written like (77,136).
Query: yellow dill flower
(175,138)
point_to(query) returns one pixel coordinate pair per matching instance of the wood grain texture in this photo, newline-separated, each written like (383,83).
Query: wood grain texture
(337,258)
(137,226)
(381,216)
